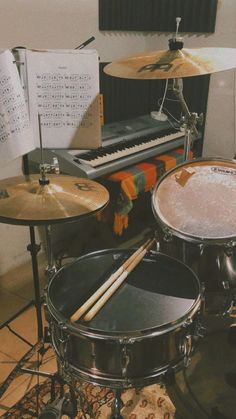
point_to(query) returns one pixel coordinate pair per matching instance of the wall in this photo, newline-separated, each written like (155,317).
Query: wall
(65,24)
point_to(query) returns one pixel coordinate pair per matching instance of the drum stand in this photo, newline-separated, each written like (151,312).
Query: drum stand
(117,405)
(63,404)
(39,347)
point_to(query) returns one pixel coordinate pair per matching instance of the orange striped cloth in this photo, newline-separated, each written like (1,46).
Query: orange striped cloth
(137,179)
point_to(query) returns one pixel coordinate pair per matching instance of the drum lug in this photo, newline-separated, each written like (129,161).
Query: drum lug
(187,323)
(226,285)
(228,248)
(201,248)
(63,341)
(158,244)
(125,360)
(186,347)
(199,331)
(125,356)
(168,236)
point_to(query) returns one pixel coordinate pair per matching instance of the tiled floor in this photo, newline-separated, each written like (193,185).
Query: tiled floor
(16,292)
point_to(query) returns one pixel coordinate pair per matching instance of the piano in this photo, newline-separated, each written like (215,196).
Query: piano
(124,143)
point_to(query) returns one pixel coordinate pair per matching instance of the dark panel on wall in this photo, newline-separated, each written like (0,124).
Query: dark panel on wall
(157,15)
(127,98)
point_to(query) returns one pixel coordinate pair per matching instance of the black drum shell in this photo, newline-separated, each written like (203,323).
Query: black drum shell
(212,257)
(206,389)
(131,358)
(214,266)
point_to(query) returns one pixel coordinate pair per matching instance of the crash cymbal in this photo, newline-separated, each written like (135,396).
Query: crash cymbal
(173,63)
(23,200)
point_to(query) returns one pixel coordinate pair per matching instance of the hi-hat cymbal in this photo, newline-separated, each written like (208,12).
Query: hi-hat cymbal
(66,198)
(173,64)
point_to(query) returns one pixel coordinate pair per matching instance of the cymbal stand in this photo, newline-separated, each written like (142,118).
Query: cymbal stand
(190,119)
(51,267)
(33,248)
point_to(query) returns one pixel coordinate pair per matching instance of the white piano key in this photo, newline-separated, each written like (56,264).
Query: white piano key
(100,160)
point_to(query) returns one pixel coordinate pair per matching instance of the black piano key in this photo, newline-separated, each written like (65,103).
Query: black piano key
(122,145)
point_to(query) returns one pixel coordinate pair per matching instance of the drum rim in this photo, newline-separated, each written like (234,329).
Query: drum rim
(140,334)
(227,240)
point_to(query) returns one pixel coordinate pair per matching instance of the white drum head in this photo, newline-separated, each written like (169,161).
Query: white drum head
(197,200)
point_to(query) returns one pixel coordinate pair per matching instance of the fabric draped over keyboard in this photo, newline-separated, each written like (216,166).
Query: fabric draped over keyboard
(135,180)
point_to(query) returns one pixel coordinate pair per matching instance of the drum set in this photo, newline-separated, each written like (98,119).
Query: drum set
(151,326)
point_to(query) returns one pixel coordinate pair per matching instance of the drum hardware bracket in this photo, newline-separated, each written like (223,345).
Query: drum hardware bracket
(199,331)
(188,349)
(158,244)
(228,248)
(125,360)
(168,237)
(50,167)
(187,322)
(64,339)
(45,168)
(231,312)
(64,404)
(117,405)
(226,285)
(201,249)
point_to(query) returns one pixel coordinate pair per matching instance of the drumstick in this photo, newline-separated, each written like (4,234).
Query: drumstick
(105,297)
(78,313)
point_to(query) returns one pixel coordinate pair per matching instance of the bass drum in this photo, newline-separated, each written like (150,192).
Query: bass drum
(195,207)
(145,331)
(207,388)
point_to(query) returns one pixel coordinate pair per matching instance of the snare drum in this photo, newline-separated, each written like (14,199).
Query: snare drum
(144,332)
(196,203)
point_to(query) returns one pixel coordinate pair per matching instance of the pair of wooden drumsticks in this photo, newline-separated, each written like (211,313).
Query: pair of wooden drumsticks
(103,293)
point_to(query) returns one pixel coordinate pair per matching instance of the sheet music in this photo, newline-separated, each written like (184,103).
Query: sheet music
(63,87)
(16,138)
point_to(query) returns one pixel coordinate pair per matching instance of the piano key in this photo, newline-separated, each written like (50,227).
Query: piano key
(114,135)
(134,146)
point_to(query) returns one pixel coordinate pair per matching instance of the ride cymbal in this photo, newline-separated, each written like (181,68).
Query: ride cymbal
(65,198)
(173,63)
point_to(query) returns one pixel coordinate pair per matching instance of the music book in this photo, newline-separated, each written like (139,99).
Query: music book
(16,137)
(62,86)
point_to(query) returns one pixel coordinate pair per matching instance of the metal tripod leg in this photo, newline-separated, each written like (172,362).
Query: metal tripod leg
(117,405)
(18,367)
(33,248)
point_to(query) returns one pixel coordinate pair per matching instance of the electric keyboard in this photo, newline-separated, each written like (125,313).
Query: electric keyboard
(124,143)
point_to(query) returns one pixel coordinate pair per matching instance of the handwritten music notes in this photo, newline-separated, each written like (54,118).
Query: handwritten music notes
(16,138)
(63,87)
